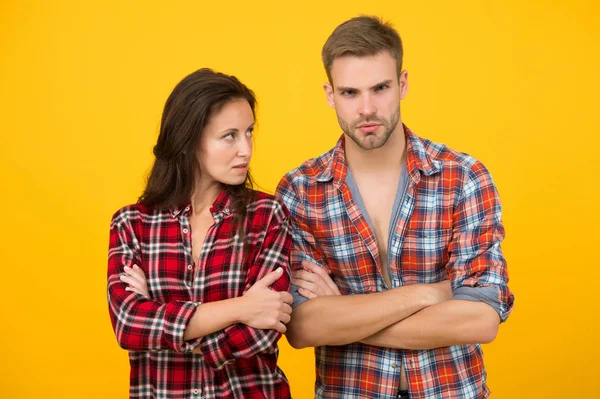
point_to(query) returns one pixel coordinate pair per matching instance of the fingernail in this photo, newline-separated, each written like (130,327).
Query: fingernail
(278,270)
(127,268)
(136,267)
(127,289)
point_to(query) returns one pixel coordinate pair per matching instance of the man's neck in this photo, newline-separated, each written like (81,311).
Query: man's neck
(387,159)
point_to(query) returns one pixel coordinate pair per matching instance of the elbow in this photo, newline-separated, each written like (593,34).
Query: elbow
(487,335)
(131,342)
(305,330)
(296,340)
(489,325)
(491,332)
(125,344)
(123,340)
(299,337)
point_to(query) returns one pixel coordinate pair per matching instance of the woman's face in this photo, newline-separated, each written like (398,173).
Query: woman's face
(226,144)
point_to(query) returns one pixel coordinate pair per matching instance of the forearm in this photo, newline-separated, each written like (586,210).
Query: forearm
(235,342)
(454,322)
(340,320)
(211,317)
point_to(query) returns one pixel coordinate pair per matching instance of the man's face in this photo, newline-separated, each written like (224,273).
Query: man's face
(366,95)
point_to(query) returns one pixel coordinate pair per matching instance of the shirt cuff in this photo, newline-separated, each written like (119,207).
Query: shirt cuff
(488,294)
(178,317)
(216,350)
(298,299)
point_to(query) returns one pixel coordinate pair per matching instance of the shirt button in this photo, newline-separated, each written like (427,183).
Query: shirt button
(394,365)
(196,391)
(226,211)
(382,286)
(185,231)
(187,208)
(190,267)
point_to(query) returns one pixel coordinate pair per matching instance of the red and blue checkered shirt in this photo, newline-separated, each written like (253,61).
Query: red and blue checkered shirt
(448,227)
(236,362)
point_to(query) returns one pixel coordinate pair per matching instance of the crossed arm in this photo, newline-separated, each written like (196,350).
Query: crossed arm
(221,330)
(420,316)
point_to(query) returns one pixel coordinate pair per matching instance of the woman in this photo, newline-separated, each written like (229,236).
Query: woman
(206,321)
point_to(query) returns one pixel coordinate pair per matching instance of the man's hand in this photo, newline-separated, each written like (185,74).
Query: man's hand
(313,281)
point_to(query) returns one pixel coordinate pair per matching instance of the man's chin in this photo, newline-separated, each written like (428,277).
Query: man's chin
(371,142)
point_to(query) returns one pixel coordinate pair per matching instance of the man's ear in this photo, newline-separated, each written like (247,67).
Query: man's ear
(329,94)
(403,82)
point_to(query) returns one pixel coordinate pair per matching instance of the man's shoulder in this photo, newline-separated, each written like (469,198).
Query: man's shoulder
(456,167)
(446,157)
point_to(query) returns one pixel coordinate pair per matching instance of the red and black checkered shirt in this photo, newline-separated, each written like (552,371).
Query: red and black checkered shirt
(236,362)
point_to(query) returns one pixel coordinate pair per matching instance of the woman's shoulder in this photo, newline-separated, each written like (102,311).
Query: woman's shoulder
(136,213)
(262,201)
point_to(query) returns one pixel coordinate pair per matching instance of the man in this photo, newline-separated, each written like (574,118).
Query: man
(410,233)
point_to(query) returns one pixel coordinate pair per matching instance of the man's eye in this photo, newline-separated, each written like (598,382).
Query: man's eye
(381,87)
(348,92)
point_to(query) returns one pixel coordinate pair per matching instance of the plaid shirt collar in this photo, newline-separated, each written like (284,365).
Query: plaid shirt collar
(221,207)
(417,160)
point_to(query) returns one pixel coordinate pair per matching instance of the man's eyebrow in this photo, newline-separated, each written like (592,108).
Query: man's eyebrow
(385,82)
(344,88)
(348,88)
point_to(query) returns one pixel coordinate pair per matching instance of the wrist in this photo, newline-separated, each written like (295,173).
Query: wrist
(239,309)
(419,295)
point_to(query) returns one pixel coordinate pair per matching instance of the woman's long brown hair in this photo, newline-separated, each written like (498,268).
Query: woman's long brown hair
(194,100)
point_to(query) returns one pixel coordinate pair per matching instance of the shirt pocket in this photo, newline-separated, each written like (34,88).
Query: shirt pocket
(352,266)
(425,255)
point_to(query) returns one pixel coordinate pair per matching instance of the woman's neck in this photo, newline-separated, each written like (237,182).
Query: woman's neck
(204,196)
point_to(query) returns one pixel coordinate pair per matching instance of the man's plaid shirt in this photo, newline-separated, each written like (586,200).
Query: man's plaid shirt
(449,227)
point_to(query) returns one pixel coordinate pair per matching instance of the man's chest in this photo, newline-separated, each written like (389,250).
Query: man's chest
(413,235)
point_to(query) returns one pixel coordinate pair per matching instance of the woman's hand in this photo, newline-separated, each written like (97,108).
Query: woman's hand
(136,280)
(265,308)
(313,281)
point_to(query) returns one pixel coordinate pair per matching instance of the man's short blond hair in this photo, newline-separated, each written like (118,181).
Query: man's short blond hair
(362,36)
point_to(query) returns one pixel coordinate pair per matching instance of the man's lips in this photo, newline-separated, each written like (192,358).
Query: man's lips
(368,127)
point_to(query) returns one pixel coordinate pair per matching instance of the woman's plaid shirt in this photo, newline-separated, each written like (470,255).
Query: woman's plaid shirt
(237,362)
(449,227)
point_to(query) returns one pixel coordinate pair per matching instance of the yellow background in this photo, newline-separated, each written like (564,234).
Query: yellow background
(82,86)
